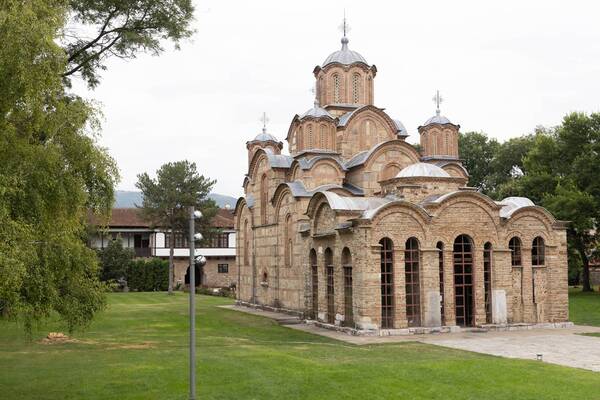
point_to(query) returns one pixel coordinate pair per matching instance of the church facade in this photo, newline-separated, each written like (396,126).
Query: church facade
(356,228)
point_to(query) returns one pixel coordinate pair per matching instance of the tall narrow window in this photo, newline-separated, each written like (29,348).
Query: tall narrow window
(263,199)
(336,88)
(315,283)
(246,243)
(310,144)
(347,265)
(300,139)
(515,251)
(463,280)
(487,281)
(323,137)
(387,283)
(356,88)
(538,251)
(288,241)
(413,287)
(440,247)
(330,286)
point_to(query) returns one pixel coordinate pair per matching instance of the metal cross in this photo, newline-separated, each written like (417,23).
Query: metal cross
(437,99)
(264,120)
(345,27)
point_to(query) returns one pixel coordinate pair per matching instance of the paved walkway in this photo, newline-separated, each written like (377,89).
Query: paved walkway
(564,346)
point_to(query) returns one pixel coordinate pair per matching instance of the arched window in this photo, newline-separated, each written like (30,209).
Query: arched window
(515,251)
(356,88)
(370,89)
(387,283)
(310,144)
(330,286)
(440,247)
(487,280)
(264,193)
(463,280)
(538,251)
(323,137)
(300,139)
(336,88)
(288,250)
(314,269)
(347,266)
(413,287)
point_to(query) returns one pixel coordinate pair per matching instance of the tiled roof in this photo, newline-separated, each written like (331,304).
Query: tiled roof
(130,218)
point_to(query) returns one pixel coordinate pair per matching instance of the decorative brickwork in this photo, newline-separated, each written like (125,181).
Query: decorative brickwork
(363,231)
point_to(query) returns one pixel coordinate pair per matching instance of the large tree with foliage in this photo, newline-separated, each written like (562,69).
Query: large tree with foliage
(562,175)
(51,169)
(120,28)
(51,172)
(167,198)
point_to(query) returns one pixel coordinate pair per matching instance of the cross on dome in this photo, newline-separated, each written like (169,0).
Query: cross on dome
(437,99)
(264,119)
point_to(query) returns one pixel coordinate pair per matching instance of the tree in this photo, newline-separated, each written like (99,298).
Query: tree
(167,198)
(51,172)
(478,152)
(115,260)
(562,175)
(121,28)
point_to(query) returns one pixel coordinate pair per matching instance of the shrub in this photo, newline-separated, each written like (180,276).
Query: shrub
(114,260)
(148,275)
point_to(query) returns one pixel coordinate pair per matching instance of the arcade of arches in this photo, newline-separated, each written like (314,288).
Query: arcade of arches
(355,228)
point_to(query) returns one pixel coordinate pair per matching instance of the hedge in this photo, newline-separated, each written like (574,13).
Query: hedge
(148,275)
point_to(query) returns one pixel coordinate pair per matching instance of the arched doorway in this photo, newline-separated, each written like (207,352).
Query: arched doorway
(314,271)
(412,284)
(487,280)
(348,304)
(197,276)
(387,283)
(330,286)
(463,280)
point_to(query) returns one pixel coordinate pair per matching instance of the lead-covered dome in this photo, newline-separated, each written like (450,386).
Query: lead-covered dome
(344,56)
(265,137)
(423,170)
(437,119)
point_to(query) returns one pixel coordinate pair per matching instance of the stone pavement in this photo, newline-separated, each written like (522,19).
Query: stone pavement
(562,346)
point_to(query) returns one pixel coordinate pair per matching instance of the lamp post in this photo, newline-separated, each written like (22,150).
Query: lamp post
(200,261)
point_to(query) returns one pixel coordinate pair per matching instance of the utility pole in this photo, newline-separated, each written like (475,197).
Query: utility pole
(192,305)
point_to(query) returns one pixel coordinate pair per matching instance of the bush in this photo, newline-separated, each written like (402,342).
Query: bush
(114,260)
(148,275)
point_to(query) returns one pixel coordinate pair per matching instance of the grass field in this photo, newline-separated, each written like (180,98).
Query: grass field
(584,308)
(137,350)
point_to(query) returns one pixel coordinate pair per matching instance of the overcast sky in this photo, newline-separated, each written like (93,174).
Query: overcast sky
(502,68)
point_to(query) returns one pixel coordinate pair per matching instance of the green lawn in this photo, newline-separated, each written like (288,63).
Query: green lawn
(137,350)
(584,308)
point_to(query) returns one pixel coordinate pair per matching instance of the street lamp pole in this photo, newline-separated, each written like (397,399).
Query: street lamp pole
(192,306)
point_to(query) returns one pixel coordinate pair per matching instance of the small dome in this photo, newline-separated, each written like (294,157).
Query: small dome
(512,204)
(400,126)
(437,119)
(423,169)
(316,112)
(265,137)
(344,56)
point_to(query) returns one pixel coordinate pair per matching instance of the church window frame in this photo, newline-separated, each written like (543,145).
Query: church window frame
(387,283)
(348,287)
(356,88)
(538,251)
(336,88)
(488,260)
(264,193)
(330,288)
(412,256)
(514,244)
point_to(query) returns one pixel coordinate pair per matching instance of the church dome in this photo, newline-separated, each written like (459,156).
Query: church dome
(316,112)
(423,170)
(344,56)
(437,119)
(265,137)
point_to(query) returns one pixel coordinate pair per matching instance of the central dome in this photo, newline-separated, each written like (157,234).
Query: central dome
(423,170)
(344,56)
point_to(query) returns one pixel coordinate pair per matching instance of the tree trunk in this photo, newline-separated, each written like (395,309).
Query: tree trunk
(171,266)
(587,287)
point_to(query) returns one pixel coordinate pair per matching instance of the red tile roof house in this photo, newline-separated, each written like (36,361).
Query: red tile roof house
(135,233)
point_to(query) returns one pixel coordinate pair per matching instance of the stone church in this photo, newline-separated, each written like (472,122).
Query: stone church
(357,228)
